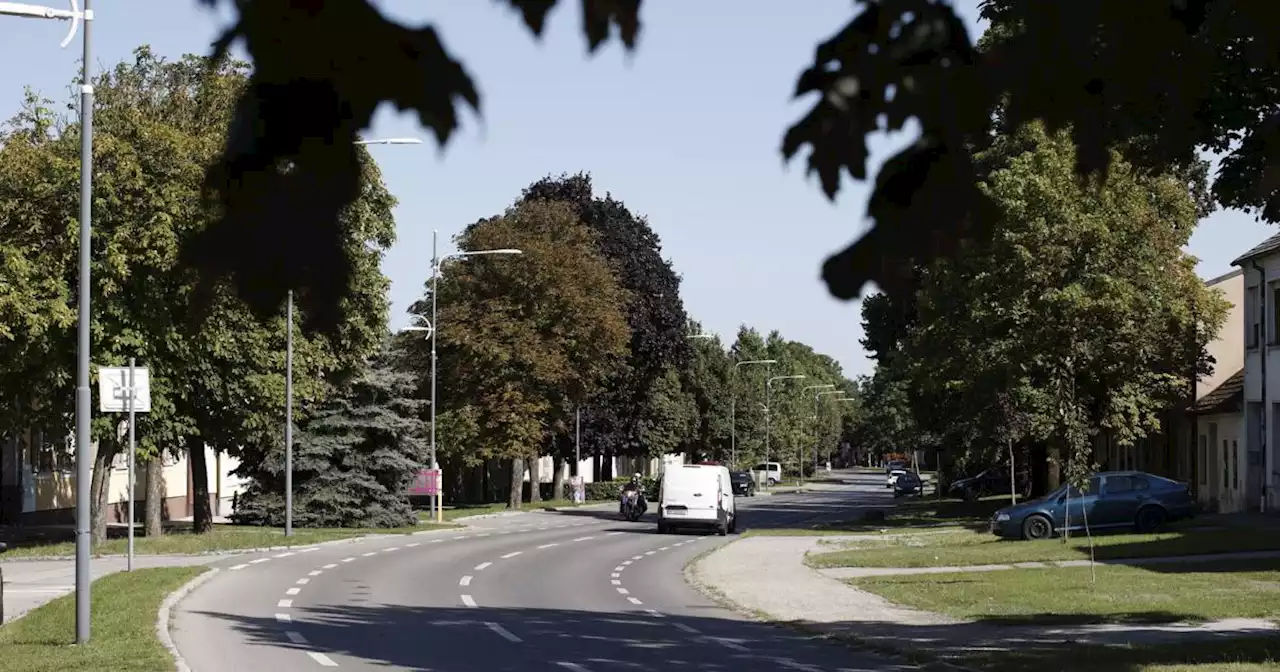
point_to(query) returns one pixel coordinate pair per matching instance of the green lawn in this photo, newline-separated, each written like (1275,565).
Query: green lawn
(180,541)
(923,512)
(123,639)
(1241,654)
(1236,589)
(463,510)
(964,547)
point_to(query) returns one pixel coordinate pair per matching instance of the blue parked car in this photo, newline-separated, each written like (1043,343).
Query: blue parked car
(1114,499)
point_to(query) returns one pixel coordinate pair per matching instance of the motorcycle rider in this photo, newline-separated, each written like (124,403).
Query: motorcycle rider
(637,484)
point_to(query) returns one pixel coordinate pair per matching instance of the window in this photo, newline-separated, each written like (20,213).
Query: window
(1226,466)
(1275,314)
(1204,459)
(1140,484)
(1235,465)
(1253,307)
(51,455)
(1118,485)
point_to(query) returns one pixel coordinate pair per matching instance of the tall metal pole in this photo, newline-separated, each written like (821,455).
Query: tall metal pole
(733,420)
(437,509)
(83,400)
(288,420)
(577,439)
(133,394)
(768,406)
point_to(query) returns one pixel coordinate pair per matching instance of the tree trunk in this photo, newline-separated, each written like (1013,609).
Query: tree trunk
(155,497)
(557,479)
(100,489)
(1054,464)
(517,483)
(596,469)
(535,479)
(606,468)
(201,512)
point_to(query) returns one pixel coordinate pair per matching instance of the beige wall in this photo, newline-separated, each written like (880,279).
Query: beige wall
(1228,348)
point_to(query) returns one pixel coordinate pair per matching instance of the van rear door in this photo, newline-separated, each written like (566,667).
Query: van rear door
(691,492)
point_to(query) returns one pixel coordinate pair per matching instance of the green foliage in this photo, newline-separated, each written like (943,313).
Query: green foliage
(524,339)
(603,491)
(353,461)
(1083,316)
(1100,69)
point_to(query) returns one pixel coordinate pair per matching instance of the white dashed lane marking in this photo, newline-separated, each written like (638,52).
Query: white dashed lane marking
(480,567)
(511,555)
(503,632)
(468,600)
(324,660)
(465,581)
(284,604)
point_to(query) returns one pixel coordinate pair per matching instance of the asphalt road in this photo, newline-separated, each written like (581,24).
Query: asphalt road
(575,592)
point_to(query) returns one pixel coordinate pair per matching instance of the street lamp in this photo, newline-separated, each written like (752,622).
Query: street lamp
(800,449)
(838,400)
(817,397)
(433,331)
(288,369)
(733,403)
(768,402)
(83,399)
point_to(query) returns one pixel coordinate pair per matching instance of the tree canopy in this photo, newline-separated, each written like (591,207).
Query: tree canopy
(1099,69)
(1082,319)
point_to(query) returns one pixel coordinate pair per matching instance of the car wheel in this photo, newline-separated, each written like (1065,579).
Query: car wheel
(1150,519)
(772,482)
(1037,527)
(722,528)
(733,525)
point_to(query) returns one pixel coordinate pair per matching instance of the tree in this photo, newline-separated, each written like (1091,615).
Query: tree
(353,461)
(613,421)
(1100,69)
(526,339)
(1082,317)
(217,372)
(707,378)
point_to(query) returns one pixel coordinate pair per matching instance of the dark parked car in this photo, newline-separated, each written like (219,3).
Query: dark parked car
(743,484)
(992,481)
(1115,499)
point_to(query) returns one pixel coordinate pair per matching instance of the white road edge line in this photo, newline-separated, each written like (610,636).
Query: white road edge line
(480,567)
(286,555)
(619,568)
(572,667)
(467,600)
(293,591)
(303,582)
(330,566)
(633,600)
(284,618)
(503,632)
(413,545)
(284,604)
(237,567)
(324,660)
(623,591)
(258,561)
(554,543)
(316,572)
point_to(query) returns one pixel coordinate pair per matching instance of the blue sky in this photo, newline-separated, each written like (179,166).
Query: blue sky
(685,131)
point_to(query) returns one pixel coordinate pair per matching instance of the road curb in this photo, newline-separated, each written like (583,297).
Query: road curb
(166,608)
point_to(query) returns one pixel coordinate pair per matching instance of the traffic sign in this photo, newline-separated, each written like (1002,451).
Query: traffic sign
(113,389)
(426,482)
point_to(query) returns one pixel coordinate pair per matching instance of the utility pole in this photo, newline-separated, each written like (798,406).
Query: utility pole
(288,420)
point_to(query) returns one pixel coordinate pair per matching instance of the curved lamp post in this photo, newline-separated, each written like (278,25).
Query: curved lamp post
(768,402)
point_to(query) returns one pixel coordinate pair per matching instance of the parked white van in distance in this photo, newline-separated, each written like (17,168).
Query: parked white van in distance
(696,495)
(767,473)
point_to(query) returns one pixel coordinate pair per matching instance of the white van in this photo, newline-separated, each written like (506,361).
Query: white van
(696,495)
(767,473)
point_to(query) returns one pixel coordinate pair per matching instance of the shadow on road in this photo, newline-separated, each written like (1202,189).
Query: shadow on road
(511,640)
(457,639)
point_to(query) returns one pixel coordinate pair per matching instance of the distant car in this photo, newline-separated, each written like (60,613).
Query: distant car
(907,483)
(770,472)
(743,484)
(1112,500)
(986,482)
(894,464)
(892,478)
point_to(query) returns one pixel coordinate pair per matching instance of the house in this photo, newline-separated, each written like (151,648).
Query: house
(1199,443)
(1217,414)
(38,482)
(1261,389)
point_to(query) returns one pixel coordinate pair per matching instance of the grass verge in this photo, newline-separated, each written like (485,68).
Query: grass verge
(464,510)
(1237,654)
(1233,589)
(965,548)
(907,514)
(181,541)
(124,611)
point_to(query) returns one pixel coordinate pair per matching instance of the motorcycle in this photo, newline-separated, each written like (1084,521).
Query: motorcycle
(633,505)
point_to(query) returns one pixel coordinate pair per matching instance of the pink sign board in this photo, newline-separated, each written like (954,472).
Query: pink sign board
(426,482)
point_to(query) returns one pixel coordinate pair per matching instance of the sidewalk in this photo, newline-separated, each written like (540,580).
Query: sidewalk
(767,575)
(31,583)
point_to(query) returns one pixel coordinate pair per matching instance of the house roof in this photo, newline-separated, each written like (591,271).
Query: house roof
(1264,248)
(1223,397)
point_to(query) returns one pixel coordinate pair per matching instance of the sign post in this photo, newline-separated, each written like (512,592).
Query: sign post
(126,390)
